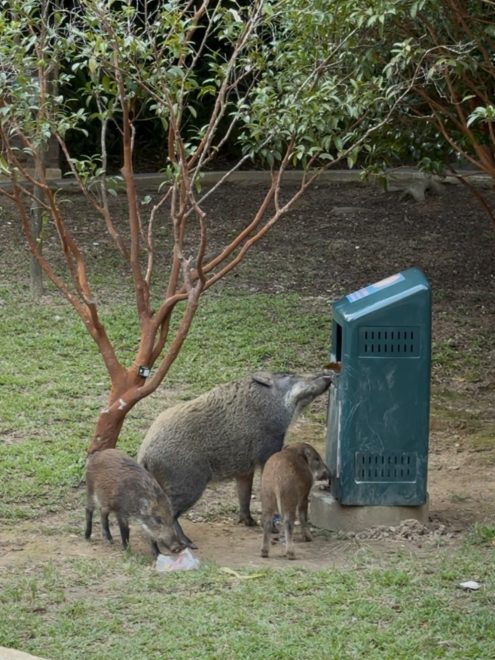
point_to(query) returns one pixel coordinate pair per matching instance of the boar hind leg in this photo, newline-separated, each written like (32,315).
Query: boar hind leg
(303,519)
(89,522)
(124,531)
(267,535)
(244,489)
(289,533)
(105,526)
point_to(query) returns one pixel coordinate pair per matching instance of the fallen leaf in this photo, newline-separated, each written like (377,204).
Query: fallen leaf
(231,571)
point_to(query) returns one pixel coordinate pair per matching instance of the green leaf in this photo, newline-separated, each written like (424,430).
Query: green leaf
(4,166)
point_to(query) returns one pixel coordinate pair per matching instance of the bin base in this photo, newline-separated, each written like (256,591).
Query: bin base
(326,513)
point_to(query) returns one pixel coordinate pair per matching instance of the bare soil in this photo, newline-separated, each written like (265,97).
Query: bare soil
(340,238)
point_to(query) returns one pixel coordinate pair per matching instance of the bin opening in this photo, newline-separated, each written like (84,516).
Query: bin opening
(336,354)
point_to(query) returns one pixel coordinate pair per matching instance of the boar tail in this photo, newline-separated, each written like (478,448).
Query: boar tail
(279,503)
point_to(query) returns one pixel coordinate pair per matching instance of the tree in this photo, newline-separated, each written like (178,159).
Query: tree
(280,75)
(445,48)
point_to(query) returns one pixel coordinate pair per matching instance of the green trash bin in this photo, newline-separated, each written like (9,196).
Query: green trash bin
(378,416)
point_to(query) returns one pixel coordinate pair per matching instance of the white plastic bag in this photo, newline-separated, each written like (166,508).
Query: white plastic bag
(470,585)
(183,561)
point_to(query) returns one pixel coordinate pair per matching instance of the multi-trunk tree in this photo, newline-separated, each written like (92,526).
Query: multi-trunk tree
(295,81)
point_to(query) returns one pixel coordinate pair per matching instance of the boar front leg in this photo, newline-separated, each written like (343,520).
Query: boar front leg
(244,489)
(289,519)
(124,530)
(183,538)
(105,525)
(302,511)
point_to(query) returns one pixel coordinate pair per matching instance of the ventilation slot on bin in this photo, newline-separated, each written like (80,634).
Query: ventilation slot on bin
(388,342)
(385,467)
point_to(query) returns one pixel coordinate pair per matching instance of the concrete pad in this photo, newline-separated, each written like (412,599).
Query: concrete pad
(326,513)
(13,654)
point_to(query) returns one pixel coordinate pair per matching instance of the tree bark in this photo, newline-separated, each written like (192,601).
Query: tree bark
(107,429)
(36,221)
(35,267)
(111,418)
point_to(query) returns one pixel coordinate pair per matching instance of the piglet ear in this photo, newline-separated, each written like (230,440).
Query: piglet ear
(263,378)
(308,452)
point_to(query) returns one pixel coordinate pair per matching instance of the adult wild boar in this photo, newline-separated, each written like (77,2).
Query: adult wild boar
(225,433)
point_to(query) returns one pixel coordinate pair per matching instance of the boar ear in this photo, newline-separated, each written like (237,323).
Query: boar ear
(263,378)
(308,452)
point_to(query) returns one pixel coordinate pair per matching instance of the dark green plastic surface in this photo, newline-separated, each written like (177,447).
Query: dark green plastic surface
(378,417)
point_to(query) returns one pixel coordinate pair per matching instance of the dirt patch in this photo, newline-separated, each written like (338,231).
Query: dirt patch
(461,493)
(220,541)
(339,238)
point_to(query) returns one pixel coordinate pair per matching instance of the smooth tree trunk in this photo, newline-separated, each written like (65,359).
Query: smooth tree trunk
(108,427)
(36,281)
(125,393)
(36,222)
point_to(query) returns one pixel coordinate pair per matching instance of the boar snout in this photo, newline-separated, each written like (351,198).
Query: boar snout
(318,468)
(161,529)
(326,378)
(174,545)
(172,542)
(322,474)
(177,547)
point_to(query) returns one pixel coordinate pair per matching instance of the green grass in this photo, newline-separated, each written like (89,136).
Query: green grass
(403,609)
(481,534)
